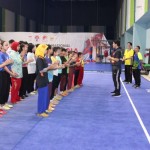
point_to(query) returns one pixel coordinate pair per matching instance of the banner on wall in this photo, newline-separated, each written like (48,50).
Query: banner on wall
(140,9)
(80,41)
(128,5)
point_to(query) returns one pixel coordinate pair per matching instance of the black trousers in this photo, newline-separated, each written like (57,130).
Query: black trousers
(4,87)
(63,82)
(24,83)
(55,84)
(31,78)
(128,73)
(116,79)
(76,77)
(137,76)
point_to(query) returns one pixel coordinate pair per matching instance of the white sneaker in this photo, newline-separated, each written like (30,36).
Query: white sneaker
(9,105)
(55,102)
(32,93)
(77,86)
(58,96)
(5,107)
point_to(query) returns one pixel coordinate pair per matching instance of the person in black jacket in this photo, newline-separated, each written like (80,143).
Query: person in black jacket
(116,60)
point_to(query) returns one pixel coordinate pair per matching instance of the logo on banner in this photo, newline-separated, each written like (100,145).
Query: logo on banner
(44,38)
(37,38)
(52,37)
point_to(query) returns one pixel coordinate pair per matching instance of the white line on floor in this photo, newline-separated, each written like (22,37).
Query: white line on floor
(137,114)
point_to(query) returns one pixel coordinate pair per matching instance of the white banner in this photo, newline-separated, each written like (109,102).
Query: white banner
(128,15)
(80,41)
(139,10)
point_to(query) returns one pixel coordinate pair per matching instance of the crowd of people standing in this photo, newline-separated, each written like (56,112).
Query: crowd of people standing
(26,69)
(132,60)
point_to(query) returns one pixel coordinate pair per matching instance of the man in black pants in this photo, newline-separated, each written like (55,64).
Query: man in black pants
(128,56)
(137,66)
(116,67)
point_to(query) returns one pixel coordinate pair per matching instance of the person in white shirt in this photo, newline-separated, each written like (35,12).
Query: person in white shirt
(31,68)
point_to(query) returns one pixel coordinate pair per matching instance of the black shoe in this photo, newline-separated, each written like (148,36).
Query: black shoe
(113,92)
(116,95)
(124,81)
(22,97)
(134,85)
(25,95)
(137,86)
(128,82)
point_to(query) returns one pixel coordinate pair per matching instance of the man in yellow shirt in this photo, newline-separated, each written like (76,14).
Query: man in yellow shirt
(128,57)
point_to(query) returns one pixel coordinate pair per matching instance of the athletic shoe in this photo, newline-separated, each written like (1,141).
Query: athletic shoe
(59,96)
(128,82)
(113,92)
(22,97)
(77,86)
(5,107)
(134,85)
(32,93)
(52,105)
(137,86)
(66,91)
(54,101)
(116,95)
(26,95)
(9,105)
(64,94)
(71,90)
(48,111)
(42,115)
(51,108)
